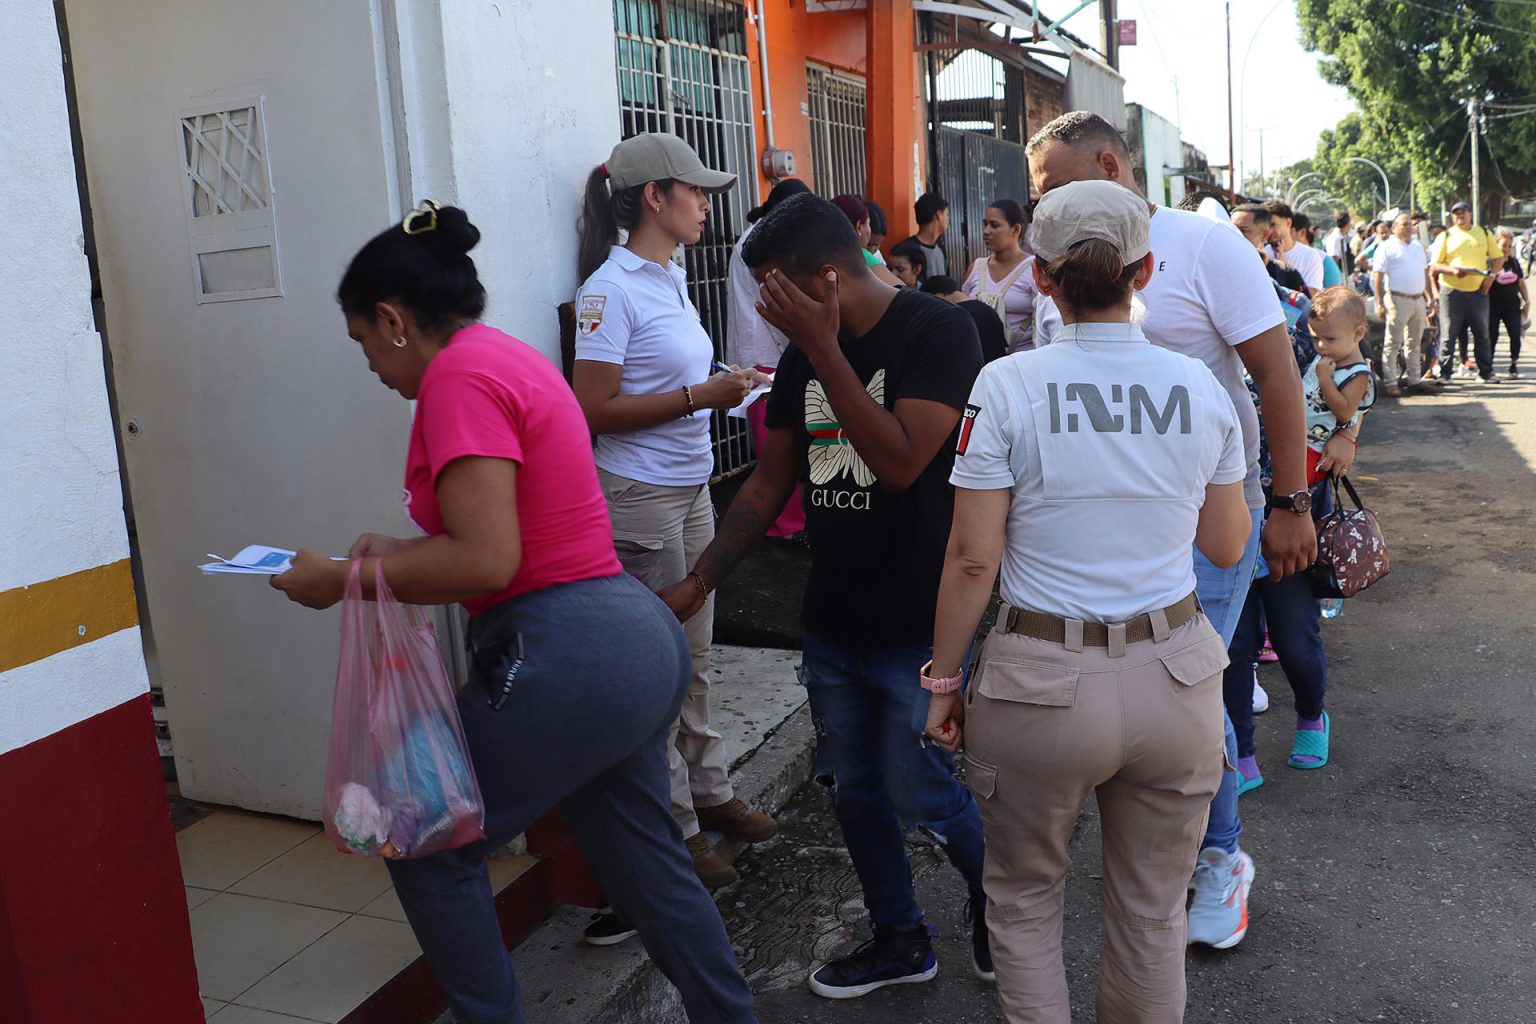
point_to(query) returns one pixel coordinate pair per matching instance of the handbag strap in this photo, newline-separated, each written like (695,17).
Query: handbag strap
(1350,488)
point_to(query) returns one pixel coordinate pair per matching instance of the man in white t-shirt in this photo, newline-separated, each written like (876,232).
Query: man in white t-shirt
(1209,299)
(1307,260)
(1400,280)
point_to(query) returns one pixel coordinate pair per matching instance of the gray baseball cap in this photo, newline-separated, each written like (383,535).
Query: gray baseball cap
(657,155)
(1080,210)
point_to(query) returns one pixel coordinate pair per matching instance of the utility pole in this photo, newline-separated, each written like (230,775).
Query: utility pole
(1109,13)
(1474,112)
(1231,145)
(1263,184)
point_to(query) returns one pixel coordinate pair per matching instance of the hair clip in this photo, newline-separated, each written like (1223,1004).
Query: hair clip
(603,167)
(413,222)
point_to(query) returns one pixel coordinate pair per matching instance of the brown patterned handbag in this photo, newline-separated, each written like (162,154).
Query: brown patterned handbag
(1351,553)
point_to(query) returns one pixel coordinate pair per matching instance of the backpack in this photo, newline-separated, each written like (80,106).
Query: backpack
(998,299)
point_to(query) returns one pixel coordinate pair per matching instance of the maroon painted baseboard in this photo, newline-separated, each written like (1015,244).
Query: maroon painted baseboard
(560,876)
(93,917)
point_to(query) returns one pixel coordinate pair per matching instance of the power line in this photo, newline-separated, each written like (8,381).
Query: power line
(1475,20)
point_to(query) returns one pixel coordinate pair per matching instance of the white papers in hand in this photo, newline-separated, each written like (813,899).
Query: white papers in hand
(740,412)
(256,560)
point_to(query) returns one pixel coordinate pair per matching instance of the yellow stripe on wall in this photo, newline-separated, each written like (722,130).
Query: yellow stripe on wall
(46,618)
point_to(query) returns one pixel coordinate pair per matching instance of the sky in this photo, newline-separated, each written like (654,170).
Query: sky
(1184,41)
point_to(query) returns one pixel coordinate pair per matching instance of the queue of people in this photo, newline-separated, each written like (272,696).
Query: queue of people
(1145,385)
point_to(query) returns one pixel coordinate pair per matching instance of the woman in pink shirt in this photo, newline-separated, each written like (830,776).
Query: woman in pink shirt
(578,670)
(1003,279)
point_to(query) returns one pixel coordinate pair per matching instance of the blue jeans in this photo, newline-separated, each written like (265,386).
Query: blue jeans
(586,726)
(869,714)
(1223,593)
(1295,632)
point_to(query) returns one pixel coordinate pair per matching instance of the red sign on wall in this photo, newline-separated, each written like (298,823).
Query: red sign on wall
(1127,31)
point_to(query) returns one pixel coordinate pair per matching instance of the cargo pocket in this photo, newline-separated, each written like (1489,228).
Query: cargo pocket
(1029,682)
(980,777)
(643,556)
(1198,662)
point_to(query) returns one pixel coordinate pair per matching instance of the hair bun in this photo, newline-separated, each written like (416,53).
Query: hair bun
(454,234)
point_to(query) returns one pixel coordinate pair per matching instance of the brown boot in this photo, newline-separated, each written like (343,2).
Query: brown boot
(735,820)
(711,868)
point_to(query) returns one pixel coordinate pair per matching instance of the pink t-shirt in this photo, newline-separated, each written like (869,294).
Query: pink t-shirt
(489,394)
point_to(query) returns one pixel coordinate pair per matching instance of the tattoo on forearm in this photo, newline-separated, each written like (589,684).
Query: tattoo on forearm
(744,524)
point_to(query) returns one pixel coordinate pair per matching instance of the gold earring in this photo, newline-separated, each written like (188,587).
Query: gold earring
(400,342)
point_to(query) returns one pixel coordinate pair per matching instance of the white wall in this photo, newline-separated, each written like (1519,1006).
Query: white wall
(532,107)
(60,490)
(1160,141)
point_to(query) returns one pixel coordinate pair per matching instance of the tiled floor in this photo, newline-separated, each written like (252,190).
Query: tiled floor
(285,928)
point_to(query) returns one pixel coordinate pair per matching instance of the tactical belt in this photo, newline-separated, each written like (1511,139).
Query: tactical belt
(1095,634)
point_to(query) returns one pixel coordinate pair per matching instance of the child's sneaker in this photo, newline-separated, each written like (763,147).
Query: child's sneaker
(1260,696)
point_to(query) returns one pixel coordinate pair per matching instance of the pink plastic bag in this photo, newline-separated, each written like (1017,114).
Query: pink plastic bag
(398,777)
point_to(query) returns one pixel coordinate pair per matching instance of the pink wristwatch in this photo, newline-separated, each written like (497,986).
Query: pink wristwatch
(948,684)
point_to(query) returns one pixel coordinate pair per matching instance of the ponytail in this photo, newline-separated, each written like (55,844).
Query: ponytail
(1091,276)
(597,229)
(602,215)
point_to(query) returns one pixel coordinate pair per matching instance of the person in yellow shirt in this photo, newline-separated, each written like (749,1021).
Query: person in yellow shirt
(1462,260)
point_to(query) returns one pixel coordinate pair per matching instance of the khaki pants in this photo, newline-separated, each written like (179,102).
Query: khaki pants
(1407,316)
(1045,727)
(659,532)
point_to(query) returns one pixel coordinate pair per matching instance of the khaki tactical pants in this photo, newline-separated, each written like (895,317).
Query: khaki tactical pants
(659,532)
(1141,727)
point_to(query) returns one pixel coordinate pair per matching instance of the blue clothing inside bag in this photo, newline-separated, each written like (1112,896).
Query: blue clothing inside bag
(425,784)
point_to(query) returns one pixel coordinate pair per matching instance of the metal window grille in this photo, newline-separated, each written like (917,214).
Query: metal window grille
(837,131)
(228,189)
(683,68)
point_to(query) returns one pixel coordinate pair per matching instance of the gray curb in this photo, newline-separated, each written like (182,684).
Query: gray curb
(565,981)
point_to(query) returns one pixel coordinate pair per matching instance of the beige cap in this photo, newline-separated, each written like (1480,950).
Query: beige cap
(1091,209)
(657,155)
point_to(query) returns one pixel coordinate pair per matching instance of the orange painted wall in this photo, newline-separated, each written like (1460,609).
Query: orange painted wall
(835,39)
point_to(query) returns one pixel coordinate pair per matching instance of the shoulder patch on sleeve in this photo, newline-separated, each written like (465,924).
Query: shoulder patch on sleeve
(590,316)
(968,420)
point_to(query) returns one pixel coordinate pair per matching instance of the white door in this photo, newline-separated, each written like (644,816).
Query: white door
(237,154)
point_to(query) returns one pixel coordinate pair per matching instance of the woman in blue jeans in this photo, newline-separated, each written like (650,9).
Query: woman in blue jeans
(578,671)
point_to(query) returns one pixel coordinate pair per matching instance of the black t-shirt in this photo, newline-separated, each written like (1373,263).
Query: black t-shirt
(989,328)
(1503,298)
(876,556)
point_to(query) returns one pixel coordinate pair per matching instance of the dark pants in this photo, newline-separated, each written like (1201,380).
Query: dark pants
(1295,633)
(869,714)
(1460,310)
(585,726)
(1509,319)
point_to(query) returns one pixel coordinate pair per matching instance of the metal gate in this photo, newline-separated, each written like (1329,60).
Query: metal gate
(837,131)
(973,172)
(977,108)
(683,68)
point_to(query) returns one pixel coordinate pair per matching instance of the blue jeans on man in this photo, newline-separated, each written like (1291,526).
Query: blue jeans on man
(1223,593)
(884,774)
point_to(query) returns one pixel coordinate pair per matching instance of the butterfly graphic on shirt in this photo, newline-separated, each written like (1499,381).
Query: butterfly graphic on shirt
(831,454)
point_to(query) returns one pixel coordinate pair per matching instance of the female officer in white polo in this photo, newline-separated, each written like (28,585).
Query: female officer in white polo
(1086,469)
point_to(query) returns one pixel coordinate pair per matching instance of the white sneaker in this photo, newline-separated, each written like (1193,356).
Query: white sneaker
(1260,696)
(1218,913)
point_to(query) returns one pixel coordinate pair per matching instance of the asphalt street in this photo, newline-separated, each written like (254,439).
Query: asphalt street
(1396,884)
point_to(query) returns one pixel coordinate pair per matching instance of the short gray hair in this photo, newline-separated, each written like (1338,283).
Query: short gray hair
(1502,230)
(1080,129)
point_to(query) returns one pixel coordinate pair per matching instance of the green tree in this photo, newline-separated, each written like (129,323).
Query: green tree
(1411,67)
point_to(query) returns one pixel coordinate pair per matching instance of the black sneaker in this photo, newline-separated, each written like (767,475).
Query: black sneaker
(893,957)
(607,929)
(981,946)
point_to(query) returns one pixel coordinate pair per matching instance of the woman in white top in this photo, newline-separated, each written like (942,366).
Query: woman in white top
(642,376)
(753,342)
(1085,469)
(1003,280)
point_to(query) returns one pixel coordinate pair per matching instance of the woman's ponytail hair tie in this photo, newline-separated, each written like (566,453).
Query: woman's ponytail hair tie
(422,219)
(603,169)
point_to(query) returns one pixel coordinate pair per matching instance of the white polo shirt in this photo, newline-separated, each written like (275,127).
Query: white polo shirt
(637,314)
(1107,443)
(1209,293)
(1406,265)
